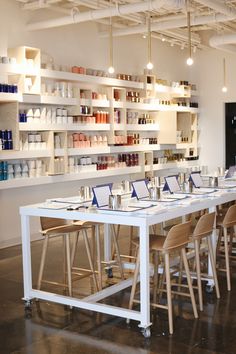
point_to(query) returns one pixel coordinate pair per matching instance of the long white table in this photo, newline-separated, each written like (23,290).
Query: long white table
(142,221)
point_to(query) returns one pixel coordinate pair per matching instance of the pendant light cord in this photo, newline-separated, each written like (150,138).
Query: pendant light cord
(189,34)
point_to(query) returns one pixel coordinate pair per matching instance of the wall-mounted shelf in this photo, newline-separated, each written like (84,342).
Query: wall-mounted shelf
(23,154)
(164,114)
(142,127)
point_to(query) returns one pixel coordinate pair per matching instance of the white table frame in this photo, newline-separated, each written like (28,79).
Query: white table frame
(143,222)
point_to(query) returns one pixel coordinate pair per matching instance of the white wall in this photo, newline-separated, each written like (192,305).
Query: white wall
(208,73)
(81,45)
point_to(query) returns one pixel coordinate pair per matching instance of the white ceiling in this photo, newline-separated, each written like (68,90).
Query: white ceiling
(168,18)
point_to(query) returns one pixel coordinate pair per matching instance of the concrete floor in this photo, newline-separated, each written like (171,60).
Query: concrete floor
(52,328)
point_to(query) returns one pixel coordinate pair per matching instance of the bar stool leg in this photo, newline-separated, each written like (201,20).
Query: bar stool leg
(213,266)
(227,259)
(74,248)
(117,251)
(88,250)
(198,269)
(155,278)
(168,288)
(131,240)
(68,261)
(93,244)
(99,262)
(189,283)
(65,279)
(135,280)
(42,262)
(117,233)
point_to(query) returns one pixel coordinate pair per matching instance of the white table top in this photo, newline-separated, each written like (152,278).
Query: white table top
(150,216)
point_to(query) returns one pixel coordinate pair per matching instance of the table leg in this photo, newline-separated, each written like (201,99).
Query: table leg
(107,242)
(214,243)
(26,257)
(144,279)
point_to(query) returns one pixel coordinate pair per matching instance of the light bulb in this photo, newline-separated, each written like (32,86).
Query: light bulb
(224,89)
(189,61)
(111,70)
(149,66)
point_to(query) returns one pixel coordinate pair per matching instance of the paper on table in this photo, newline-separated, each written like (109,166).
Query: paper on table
(71,200)
(155,209)
(53,205)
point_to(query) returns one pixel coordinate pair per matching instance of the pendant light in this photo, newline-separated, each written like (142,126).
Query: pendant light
(224,88)
(111,69)
(149,63)
(190,59)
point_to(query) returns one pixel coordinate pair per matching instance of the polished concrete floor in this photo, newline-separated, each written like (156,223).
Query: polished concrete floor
(52,328)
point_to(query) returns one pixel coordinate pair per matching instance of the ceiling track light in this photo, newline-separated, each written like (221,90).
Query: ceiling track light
(149,63)
(224,88)
(190,59)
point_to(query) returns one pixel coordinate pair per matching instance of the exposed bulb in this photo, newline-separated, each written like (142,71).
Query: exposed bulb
(149,66)
(224,89)
(111,70)
(189,61)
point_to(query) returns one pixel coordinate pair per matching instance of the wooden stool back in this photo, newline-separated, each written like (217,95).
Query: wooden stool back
(204,225)
(177,237)
(50,223)
(230,217)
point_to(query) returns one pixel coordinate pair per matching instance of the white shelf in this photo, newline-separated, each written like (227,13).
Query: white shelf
(119,126)
(51,100)
(68,76)
(158,107)
(89,151)
(107,173)
(135,148)
(142,127)
(184,145)
(101,103)
(10,97)
(169,165)
(23,154)
(34,99)
(118,104)
(55,100)
(26,182)
(18,69)
(63,127)
(59,152)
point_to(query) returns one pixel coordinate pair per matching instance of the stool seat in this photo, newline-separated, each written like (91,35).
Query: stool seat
(61,229)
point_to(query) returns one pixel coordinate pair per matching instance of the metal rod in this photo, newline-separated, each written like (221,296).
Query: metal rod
(189,34)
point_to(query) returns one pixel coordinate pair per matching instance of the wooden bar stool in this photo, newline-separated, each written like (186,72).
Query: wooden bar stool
(226,226)
(52,227)
(176,240)
(96,241)
(203,230)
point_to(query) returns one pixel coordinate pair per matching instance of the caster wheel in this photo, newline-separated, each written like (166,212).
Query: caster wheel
(28,314)
(28,304)
(146,332)
(209,289)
